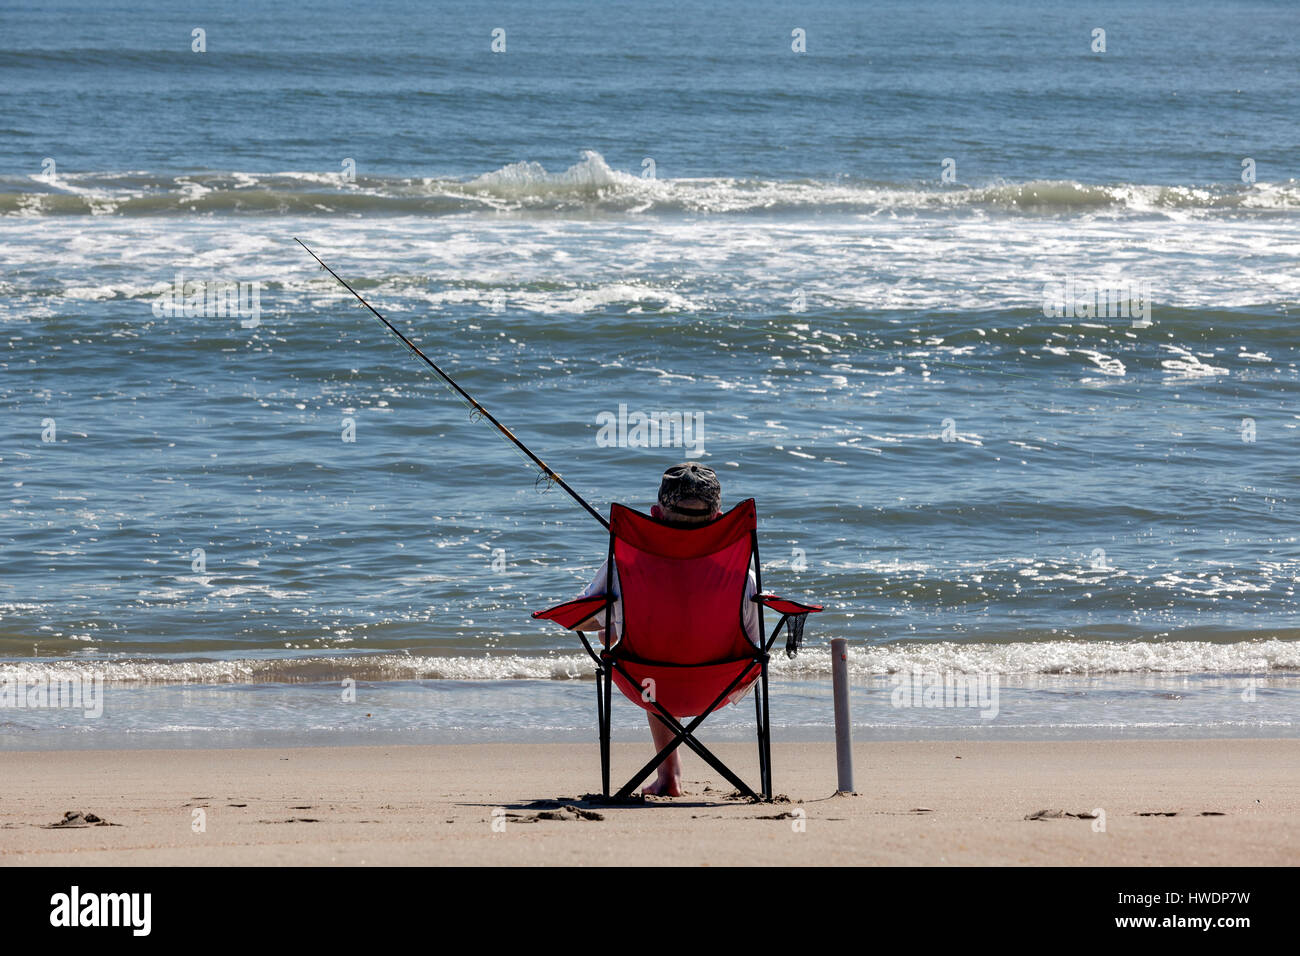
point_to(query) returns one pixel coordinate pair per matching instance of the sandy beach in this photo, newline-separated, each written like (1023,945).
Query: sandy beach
(1216,802)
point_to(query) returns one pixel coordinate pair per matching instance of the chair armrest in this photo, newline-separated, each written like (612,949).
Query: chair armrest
(793,614)
(784,605)
(572,613)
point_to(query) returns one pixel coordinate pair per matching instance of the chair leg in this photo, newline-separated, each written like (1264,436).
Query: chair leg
(758,722)
(767,741)
(705,755)
(652,765)
(684,735)
(603,701)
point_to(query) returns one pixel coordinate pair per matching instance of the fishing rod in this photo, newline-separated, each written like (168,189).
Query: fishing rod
(479,409)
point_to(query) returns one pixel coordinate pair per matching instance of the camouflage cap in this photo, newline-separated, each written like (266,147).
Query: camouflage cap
(690,481)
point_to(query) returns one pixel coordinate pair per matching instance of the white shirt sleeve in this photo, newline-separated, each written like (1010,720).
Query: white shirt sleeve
(751,610)
(597,587)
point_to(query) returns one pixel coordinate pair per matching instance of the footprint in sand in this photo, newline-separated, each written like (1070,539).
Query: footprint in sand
(74,818)
(567,812)
(1060,815)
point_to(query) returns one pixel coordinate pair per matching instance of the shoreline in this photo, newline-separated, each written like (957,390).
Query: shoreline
(533,711)
(1234,802)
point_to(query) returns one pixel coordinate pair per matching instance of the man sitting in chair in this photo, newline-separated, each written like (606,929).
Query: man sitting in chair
(689,494)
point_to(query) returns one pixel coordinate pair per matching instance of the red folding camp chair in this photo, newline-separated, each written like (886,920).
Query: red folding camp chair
(683,650)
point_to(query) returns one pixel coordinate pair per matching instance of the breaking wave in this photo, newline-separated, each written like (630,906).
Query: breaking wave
(1069,658)
(591,186)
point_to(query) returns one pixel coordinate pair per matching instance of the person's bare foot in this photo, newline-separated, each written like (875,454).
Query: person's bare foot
(664,787)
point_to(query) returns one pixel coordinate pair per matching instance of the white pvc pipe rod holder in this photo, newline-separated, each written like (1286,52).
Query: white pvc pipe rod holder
(843,726)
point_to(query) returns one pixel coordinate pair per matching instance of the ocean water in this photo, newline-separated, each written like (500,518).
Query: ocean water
(869,274)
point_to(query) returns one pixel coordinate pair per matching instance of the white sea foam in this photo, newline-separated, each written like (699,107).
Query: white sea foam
(1079,658)
(1004,265)
(1189,364)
